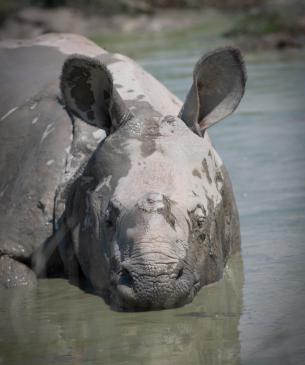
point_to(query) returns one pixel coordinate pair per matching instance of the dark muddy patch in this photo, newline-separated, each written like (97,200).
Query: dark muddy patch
(196,173)
(206,171)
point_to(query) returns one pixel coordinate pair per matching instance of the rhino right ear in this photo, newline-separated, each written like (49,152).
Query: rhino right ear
(88,91)
(218,85)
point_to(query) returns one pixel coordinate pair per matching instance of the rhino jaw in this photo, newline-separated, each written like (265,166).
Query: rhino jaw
(153,281)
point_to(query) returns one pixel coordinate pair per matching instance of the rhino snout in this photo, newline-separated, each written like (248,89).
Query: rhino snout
(152,282)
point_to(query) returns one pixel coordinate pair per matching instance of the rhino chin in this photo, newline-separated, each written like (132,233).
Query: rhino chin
(125,297)
(130,302)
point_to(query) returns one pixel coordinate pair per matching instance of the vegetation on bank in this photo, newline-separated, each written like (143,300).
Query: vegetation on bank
(289,19)
(7,7)
(271,27)
(251,23)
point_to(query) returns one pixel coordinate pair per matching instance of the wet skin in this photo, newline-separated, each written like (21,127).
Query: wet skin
(146,216)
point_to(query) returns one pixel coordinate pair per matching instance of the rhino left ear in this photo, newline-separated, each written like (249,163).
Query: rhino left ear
(219,80)
(88,91)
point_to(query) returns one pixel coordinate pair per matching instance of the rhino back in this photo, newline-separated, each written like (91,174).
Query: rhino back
(142,93)
(35,132)
(36,137)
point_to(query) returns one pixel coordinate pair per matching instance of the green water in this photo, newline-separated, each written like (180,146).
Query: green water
(255,315)
(59,324)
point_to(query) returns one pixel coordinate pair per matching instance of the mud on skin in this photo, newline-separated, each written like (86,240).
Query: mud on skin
(147,215)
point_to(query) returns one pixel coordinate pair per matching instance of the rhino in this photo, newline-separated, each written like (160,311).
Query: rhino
(108,179)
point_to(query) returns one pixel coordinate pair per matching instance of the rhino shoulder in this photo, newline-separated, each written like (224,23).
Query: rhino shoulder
(39,140)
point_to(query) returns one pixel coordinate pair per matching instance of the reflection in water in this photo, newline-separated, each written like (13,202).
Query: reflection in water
(59,324)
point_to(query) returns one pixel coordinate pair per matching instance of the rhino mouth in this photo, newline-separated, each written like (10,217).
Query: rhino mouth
(131,304)
(152,293)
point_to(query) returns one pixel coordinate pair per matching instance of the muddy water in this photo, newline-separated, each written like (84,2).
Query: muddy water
(255,315)
(59,324)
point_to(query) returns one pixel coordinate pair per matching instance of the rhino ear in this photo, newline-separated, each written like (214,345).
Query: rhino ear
(88,91)
(219,80)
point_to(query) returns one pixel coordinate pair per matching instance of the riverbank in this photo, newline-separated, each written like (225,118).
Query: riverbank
(251,30)
(34,21)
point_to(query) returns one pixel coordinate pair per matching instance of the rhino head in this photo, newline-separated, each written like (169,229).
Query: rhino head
(146,232)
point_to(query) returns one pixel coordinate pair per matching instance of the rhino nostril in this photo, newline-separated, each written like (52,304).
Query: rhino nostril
(180,273)
(126,278)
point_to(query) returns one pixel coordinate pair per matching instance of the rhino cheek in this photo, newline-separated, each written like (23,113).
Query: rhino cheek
(90,254)
(207,247)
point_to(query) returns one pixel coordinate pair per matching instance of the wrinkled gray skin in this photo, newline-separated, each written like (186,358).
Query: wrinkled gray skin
(147,215)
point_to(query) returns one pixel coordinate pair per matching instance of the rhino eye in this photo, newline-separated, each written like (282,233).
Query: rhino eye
(109,222)
(199,216)
(180,273)
(109,218)
(201,220)
(112,213)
